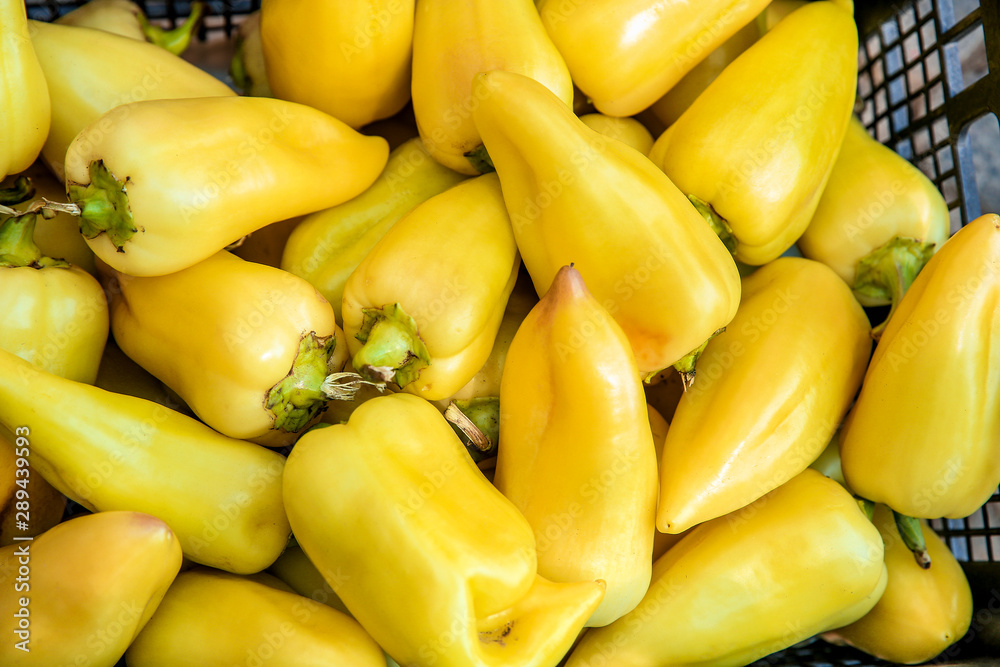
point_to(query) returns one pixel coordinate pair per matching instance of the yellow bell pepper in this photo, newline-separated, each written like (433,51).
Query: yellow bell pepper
(77,63)
(625,54)
(878,222)
(442,570)
(924,434)
(328,245)
(247,66)
(423,308)
(576,452)
(220,496)
(755,150)
(295,569)
(59,236)
(154,202)
(351,60)
(55,314)
(452,42)
(253,350)
(576,196)
(214,618)
(682,94)
(627,130)
(801,560)
(125,18)
(479,399)
(659,426)
(770,393)
(922,612)
(41,505)
(25,111)
(80,592)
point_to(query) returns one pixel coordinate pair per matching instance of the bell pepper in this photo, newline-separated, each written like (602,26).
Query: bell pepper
(220,496)
(924,434)
(683,93)
(80,592)
(295,569)
(25,111)
(627,130)
(576,196)
(125,18)
(59,236)
(452,42)
(213,618)
(253,350)
(922,612)
(878,222)
(442,568)
(153,202)
(55,314)
(625,54)
(770,393)
(247,65)
(351,60)
(41,504)
(800,560)
(77,62)
(328,245)
(756,148)
(659,426)
(423,308)
(576,452)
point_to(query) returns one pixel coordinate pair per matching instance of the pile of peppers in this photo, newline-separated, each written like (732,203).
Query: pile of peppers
(485,334)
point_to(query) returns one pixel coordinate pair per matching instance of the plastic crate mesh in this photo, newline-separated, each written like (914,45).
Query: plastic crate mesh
(219,14)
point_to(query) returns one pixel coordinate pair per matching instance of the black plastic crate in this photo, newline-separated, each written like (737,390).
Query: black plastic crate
(929,88)
(220,15)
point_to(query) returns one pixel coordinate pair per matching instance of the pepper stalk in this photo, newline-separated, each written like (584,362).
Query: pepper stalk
(887,272)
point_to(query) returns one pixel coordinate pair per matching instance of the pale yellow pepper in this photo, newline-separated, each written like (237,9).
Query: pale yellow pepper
(576,453)
(25,110)
(756,148)
(454,41)
(801,560)
(439,568)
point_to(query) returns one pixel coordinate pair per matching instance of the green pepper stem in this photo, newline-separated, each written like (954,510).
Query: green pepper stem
(887,272)
(22,190)
(913,537)
(17,245)
(104,207)
(392,349)
(480,160)
(238,68)
(718,224)
(478,421)
(302,394)
(466,427)
(178,39)
(687,363)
